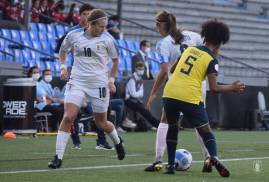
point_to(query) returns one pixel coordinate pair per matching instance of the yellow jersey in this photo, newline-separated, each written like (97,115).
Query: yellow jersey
(185,83)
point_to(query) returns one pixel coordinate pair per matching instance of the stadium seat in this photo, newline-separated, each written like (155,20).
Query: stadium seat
(15,35)
(128,62)
(25,36)
(18,56)
(6,33)
(35,55)
(37,45)
(69,60)
(42,36)
(46,47)
(122,65)
(66,29)
(41,28)
(51,35)
(59,31)
(27,43)
(136,46)
(130,45)
(26,54)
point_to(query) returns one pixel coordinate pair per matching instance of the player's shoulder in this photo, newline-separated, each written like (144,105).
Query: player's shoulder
(164,42)
(75,32)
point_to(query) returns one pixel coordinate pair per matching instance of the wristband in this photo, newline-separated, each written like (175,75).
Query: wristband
(111,79)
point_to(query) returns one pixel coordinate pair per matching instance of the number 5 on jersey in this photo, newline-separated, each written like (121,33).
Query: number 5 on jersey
(189,64)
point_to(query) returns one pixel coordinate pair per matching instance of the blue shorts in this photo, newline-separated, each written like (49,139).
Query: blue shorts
(195,114)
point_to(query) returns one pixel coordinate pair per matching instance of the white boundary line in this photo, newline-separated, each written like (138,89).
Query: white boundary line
(113,166)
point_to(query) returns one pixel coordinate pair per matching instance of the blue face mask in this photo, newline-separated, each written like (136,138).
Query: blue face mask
(140,73)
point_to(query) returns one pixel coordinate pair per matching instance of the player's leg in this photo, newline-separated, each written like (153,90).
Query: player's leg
(71,111)
(73,101)
(206,155)
(172,110)
(160,144)
(210,143)
(100,107)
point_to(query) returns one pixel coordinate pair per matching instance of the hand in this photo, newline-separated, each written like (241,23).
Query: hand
(150,101)
(64,74)
(238,86)
(112,87)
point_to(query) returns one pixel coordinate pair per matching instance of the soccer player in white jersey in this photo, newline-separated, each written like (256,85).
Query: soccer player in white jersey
(90,79)
(169,48)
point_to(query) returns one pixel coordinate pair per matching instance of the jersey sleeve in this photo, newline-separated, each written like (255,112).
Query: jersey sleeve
(163,51)
(111,48)
(67,43)
(213,67)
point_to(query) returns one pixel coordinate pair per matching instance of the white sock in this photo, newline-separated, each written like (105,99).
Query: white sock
(161,141)
(62,139)
(202,145)
(114,136)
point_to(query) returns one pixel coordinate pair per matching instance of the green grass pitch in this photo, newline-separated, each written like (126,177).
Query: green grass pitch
(246,154)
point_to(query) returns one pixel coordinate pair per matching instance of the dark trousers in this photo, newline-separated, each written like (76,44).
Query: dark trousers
(137,106)
(57,112)
(118,106)
(101,137)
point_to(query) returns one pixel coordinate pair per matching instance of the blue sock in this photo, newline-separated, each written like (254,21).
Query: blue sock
(210,143)
(171,142)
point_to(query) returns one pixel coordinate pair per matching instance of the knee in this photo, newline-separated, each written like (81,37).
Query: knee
(68,119)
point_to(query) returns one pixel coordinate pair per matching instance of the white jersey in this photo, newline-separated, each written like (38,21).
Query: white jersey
(91,56)
(169,52)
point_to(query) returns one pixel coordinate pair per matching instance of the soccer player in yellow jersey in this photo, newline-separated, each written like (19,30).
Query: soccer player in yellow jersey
(182,92)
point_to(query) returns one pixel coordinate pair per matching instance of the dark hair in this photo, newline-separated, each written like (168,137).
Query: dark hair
(96,14)
(139,64)
(45,70)
(215,32)
(171,25)
(114,17)
(143,43)
(29,72)
(85,7)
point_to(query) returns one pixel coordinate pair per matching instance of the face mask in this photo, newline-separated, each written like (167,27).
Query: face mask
(140,73)
(48,78)
(36,76)
(147,50)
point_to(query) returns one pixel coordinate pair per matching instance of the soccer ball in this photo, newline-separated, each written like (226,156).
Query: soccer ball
(183,160)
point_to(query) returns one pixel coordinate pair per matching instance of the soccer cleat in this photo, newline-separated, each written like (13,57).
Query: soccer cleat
(207,168)
(76,146)
(103,146)
(55,163)
(156,166)
(169,169)
(120,150)
(223,171)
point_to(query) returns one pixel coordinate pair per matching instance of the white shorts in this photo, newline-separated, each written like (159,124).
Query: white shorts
(99,97)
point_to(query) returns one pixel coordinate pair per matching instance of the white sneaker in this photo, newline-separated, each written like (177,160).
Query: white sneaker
(120,130)
(128,124)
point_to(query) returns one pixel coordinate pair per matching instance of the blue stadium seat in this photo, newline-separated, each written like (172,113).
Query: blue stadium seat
(8,57)
(18,56)
(6,33)
(3,44)
(26,54)
(15,35)
(122,65)
(130,45)
(33,36)
(35,55)
(56,65)
(2,57)
(42,36)
(155,66)
(25,35)
(59,31)
(51,35)
(27,43)
(66,29)
(33,27)
(42,28)
(46,47)
(37,45)
(40,64)
(128,62)
(136,46)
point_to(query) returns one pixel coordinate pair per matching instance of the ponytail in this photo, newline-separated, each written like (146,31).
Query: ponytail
(173,30)
(171,25)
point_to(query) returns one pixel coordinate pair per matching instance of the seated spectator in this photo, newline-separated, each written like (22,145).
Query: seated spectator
(118,106)
(35,11)
(45,12)
(46,102)
(3,6)
(134,93)
(73,16)
(13,11)
(112,26)
(58,12)
(141,56)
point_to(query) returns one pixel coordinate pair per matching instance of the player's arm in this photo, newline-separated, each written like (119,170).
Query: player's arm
(112,52)
(212,71)
(64,49)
